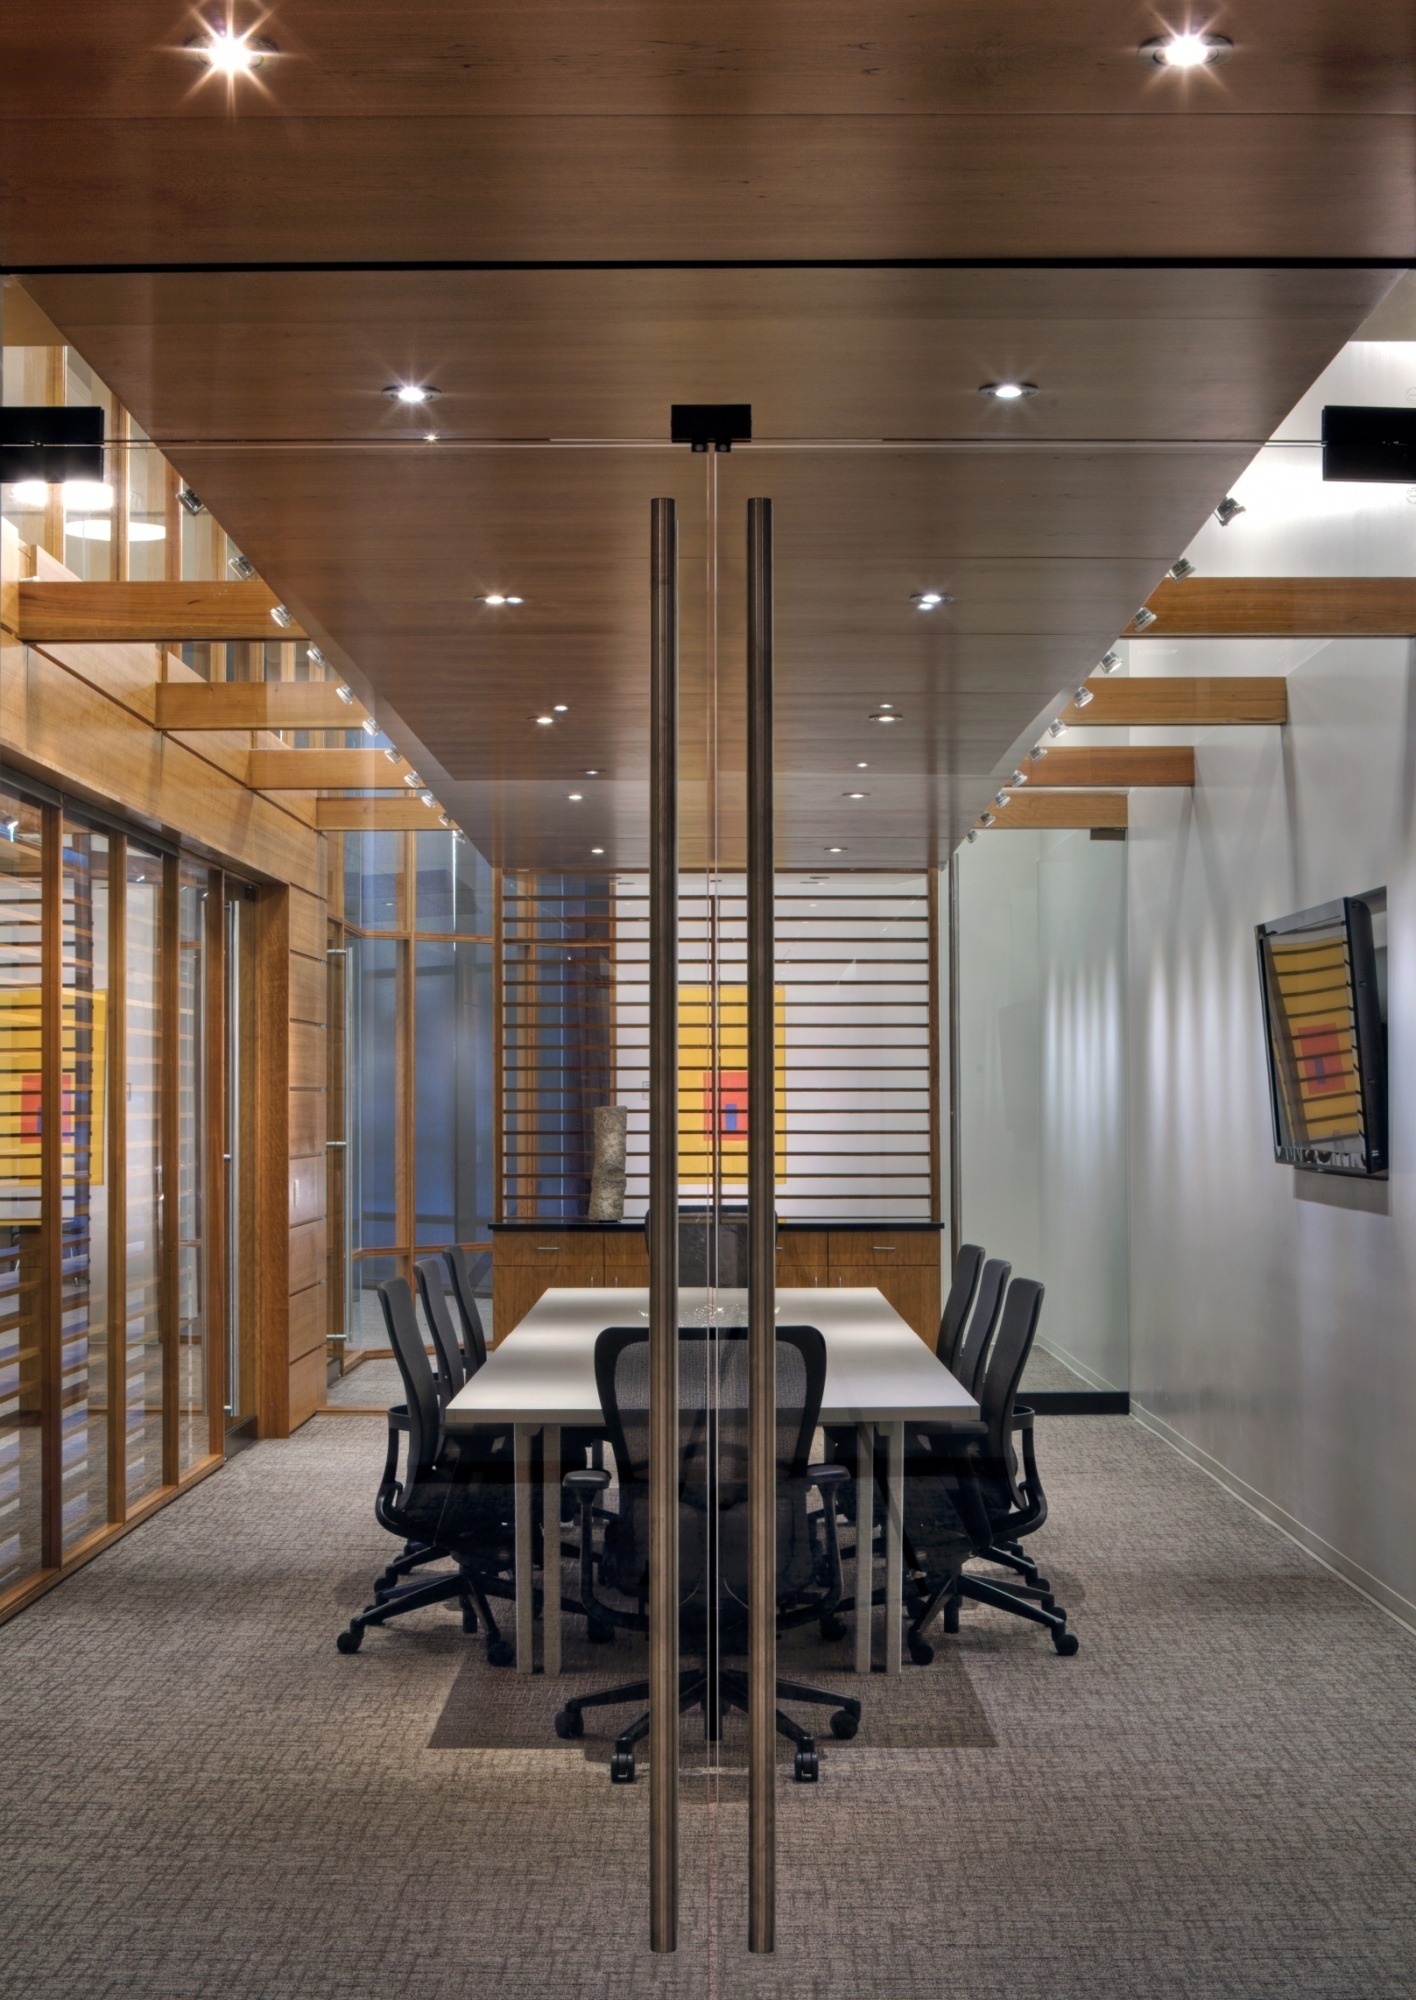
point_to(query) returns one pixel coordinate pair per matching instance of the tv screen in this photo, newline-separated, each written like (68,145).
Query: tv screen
(1326,1038)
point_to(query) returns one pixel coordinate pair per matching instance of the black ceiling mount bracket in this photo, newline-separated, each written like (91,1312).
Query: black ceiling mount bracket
(44,442)
(720,424)
(1369,443)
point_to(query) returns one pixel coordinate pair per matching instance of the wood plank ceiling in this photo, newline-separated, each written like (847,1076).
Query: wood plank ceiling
(575,170)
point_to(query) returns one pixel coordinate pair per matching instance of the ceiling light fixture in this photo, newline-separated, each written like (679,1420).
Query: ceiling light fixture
(1038,751)
(885,715)
(1083,695)
(1145,616)
(443,820)
(412,779)
(498,598)
(835,850)
(575,797)
(241,566)
(1228,510)
(560,708)
(1008,392)
(431,437)
(972,835)
(391,754)
(427,798)
(1057,727)
(855,795)
(1110,661)
(346,694)
(1178,571)
(369,726)
(313,654)
(597,850)
(1019,777)
(862,767)
(545,721)
(592,774)
(228,54)
(282,616)
(985,819)
(1187,50)
(1001,799)
(412,393)
(188,499)
(930,600)
(30,493)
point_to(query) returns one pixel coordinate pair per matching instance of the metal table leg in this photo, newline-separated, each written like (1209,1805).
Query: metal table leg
(550,1547)
(894,1544)
(865,1541)
(525,1583)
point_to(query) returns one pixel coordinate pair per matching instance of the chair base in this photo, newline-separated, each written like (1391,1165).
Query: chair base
(732,1694)
(1019,1599)
(471,1592)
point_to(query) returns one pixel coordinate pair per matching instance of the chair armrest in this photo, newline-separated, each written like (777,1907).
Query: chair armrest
(828,1475)
(585,1482)
(1022,1419)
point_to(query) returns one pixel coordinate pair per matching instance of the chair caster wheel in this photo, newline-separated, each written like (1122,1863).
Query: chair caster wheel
(808,1765)
(621,1767)
(921,1652)
(500,1653)
(1066,1643)
(351,1640)
(469,1621)
(570,1723)
(844,1725)
(833,1626)
(599,1633)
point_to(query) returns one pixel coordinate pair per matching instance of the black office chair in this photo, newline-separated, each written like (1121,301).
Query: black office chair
(962,1287)
(808,1571)
(966,1476)
(453,1505)
(474,1340)
(972,1348)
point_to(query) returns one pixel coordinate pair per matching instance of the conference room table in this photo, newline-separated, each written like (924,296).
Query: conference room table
(879,1376)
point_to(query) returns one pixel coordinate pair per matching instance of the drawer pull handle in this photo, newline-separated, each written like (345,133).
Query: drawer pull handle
(884,1246)
(548,1249)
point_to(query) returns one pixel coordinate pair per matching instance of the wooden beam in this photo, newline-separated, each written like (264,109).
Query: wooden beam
(1061,809)
(1111,764)
(1181,702)
(253,705)
(1282,607)
(322,770)
(81,612)
(406,815)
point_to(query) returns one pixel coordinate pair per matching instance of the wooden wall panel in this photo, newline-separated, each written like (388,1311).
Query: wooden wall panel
(307,922)
(308,1046)
(309,1244)
(307,1123)
(309,991)
(306,1321)
(306,1197)
(306,1391)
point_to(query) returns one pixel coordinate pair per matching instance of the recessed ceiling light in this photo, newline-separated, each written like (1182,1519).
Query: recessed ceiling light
(930,600)
(835,850)
(560,708)
(885,704)
(229,54)
(1186,51)
(575,797)
(592,774)
(544,720)
(498,597)
(885,715)
(412,392)
(1008,392)
(431,437)
(855,795)
(862,767)
(34,493)
(597,850)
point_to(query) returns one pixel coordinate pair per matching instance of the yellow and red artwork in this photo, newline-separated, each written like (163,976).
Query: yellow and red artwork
(713,1099)
(82,1092)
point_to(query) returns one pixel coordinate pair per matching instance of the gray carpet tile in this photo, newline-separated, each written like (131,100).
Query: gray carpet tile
(200,1799)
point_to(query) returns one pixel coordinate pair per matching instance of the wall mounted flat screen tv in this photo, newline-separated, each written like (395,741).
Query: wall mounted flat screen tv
(1321,972)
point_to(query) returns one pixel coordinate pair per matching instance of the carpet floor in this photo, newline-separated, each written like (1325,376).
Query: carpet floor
(200,1799)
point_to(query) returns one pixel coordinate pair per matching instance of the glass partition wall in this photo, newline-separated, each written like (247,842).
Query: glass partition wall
(110,1024)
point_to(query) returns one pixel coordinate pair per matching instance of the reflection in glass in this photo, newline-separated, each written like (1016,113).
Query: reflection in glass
(373,967)
(142,1043)
(193,1435)
(22,1249)
(84,1310)
(455,886)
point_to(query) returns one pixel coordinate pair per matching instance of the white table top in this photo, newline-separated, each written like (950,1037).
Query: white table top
(878,1370)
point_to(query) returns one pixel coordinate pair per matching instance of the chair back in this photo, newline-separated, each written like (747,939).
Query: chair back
(971,1354)
(713,1427)
(451,1373)
(420,1393)
(1006,1362)
(964,1284)
(474,1340)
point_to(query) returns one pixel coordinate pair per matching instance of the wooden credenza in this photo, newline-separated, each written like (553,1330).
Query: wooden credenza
(901,1259)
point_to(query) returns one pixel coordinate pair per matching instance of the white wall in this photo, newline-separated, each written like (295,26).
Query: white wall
(1271,1312)
(1042,1079)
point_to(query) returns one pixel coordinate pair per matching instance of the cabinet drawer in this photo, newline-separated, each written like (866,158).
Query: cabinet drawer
(566,1256)
(892,1246)
(626,1257)
(802,1256)
(911,1289)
